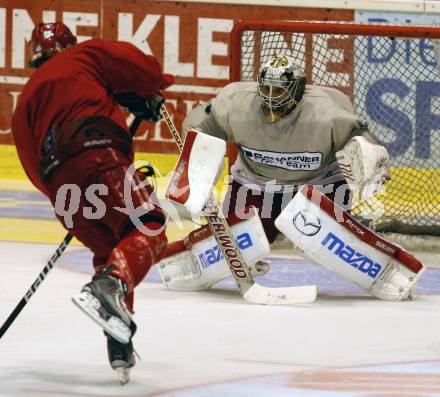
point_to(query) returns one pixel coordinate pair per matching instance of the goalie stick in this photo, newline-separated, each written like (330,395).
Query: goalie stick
(61,248)
(249,289)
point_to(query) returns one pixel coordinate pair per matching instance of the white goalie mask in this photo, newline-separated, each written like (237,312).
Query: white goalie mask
(281,86)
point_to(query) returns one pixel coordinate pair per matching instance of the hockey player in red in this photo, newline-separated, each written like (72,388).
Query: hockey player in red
(69,129)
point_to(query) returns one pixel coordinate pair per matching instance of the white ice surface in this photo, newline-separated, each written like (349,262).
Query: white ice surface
(213,343)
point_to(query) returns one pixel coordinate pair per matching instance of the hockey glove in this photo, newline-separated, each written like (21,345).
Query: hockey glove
(146,108)
(365,166)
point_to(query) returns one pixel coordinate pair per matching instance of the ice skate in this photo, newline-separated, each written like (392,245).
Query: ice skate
(102,301)
(121,357)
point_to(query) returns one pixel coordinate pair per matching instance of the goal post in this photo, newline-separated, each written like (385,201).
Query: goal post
(391,75)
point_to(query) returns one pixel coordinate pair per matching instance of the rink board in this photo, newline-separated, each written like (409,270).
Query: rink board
(13,178)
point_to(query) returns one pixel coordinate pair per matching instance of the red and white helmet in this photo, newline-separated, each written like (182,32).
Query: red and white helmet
(47,40)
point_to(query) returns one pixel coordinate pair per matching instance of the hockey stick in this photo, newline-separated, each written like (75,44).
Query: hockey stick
(250,290)
(35,284)
(61,248)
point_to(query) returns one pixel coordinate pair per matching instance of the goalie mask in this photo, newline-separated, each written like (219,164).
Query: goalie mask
(281,86)
(47,40)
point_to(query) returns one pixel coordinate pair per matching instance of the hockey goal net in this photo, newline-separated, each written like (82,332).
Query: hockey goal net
(390,74)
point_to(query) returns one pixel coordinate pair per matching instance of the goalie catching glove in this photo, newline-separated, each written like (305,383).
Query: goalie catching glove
(196,263)
(364,166)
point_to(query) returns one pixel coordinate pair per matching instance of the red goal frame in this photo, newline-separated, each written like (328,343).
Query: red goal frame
(343,27)
(348,28)
(414,32)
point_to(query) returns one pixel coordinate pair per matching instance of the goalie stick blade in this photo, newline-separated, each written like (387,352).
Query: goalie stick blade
(114,326)
(281,296)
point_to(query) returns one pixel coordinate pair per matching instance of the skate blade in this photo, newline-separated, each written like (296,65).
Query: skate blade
(114,326)
(123,375)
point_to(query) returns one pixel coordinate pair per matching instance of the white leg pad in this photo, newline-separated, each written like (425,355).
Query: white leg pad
(332,238)
(203,265)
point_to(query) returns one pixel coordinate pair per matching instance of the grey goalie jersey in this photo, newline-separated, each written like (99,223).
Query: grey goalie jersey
(299,149)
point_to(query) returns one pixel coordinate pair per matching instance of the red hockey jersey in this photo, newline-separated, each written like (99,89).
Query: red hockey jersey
(78,83)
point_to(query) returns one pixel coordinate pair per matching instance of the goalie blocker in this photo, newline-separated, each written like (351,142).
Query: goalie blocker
(196,263)
(188,177)
(197,171)
(332,238)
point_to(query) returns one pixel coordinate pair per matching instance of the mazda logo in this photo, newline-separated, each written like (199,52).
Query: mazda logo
(307,223)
